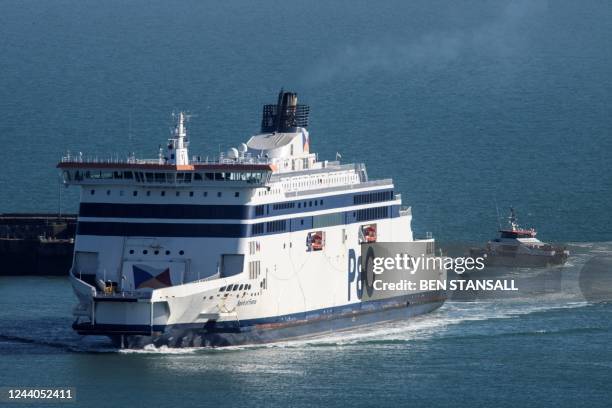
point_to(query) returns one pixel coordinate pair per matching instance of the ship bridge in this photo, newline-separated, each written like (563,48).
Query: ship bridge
(172,166)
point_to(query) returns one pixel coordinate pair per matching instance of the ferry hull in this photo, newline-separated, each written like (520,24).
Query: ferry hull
(261,331)
(520,260)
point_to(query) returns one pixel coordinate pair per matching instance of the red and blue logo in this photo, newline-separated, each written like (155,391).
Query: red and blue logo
(148,277)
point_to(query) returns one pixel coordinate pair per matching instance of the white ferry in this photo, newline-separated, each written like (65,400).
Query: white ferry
(259,245)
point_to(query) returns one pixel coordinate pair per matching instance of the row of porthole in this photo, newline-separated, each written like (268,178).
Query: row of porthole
(245,286)
(163,193)
(156,252)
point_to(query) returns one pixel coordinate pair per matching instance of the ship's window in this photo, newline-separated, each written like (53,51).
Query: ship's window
(148,193)
(206,194)
(160,177)
(131,251)
(241,287)
(163,193)
(299,205)
(316,203)
(209,176)
(156,252)
(134,193)
(301,222)
(222,289)
(236,194)
(145,251)
(235,288)
(178,193)
(121,193)
(197,176)
(310,204)
(150,177)
(167,252)
(276,226)
(127,175)
(257,228)
(218,194)
(191,194)
(107,192)
(181,252)
(321,202)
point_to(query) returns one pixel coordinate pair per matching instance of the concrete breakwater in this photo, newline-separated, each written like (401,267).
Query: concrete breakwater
(36,244)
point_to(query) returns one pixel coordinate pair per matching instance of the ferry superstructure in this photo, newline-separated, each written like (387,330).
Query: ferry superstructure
(260,245)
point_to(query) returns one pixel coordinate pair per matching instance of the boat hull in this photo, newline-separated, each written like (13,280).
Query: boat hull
(511,259)
(261,331)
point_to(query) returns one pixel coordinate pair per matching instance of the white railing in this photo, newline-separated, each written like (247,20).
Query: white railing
(196,160)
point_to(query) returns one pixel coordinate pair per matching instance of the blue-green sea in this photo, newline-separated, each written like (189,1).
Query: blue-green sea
(469,105)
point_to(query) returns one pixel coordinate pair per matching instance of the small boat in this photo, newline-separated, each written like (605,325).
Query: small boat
(517,246)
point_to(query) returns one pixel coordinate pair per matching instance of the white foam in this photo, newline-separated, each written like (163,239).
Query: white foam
(152,349)
(422,327)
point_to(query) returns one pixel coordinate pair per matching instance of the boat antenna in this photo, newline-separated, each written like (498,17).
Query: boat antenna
(497,210)
(512,219)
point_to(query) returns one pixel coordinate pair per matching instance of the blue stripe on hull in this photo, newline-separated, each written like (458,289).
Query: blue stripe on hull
(229,211)
(132,229)
(265,330)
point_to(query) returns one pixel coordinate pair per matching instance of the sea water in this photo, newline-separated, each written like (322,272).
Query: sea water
(468,105)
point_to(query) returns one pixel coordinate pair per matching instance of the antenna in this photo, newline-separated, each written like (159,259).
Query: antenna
(497,210)
(130,126)
(59,197)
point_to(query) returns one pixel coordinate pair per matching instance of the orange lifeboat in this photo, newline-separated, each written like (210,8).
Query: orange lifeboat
(369,233)
(317,241)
